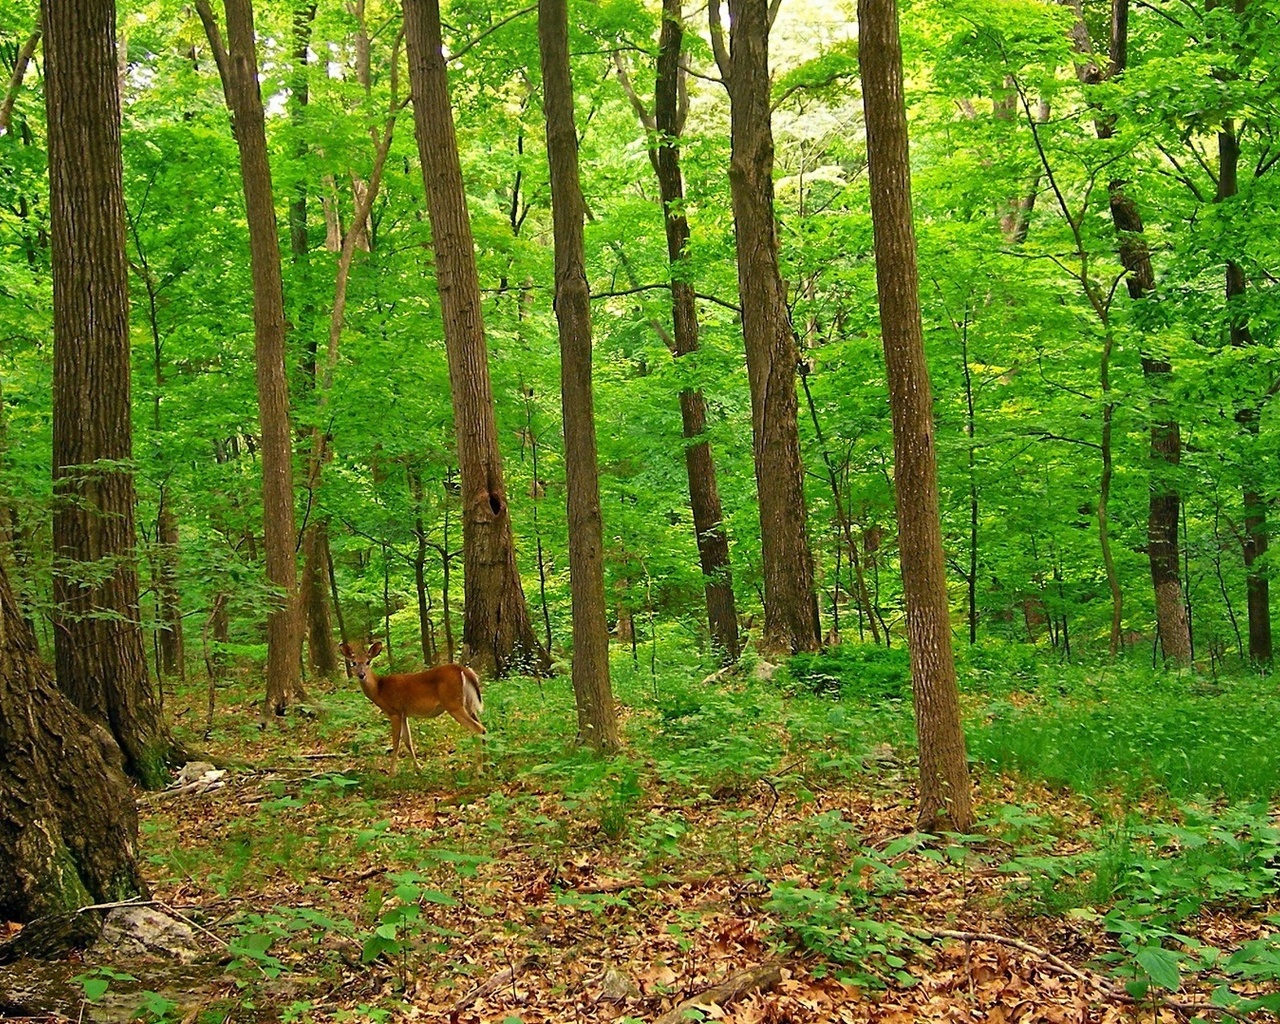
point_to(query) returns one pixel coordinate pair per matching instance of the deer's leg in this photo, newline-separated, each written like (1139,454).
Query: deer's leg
(397,722)
(408,735)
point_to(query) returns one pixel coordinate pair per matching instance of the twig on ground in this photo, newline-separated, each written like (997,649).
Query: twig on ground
(499,980)
(755,979)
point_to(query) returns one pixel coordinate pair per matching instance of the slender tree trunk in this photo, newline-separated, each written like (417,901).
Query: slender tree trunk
(21,62)
(321,654)
(1104,490)
(1163,507)
(1254,544)
(314,591)
(667,121)
(238,66)
(944,778)
(497,632)
(172,639)
(597,717)
(98,647)
(790,601)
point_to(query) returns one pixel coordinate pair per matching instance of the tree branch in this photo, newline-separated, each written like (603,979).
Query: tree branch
(20,72)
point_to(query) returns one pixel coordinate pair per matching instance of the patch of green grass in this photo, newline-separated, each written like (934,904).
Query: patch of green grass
(1133,731)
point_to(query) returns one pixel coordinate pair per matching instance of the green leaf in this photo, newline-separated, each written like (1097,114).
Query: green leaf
(1161,966)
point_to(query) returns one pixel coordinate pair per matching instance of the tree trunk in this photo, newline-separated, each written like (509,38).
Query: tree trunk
(944,778)
(238,66)
(790,601)
(22,61)
(597,717)
(1163,507)
(98,647)
(1254,542)
(68,825)
(497,632)
(321,654)
(667,121)
(172,640)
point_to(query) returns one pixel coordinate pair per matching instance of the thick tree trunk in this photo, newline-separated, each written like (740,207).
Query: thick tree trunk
(597,717)
(67,819)
(238,66)
(497,632)
(790,601)
(944,778)
(1254,542)
(98,646)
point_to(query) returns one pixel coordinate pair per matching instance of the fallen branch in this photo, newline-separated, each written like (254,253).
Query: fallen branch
(1026,947)
(1109,990)
(499,980)
(755,979)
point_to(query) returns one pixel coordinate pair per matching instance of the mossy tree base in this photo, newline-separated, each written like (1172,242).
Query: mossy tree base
(68,824)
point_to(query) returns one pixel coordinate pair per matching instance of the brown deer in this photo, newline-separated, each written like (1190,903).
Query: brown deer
(451,688)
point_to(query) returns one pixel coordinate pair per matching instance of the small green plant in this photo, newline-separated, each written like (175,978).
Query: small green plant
(154,1008)
(97,982)
(826,921)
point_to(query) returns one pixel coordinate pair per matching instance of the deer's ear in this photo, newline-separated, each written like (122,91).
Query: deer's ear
(346,650)
(374,648)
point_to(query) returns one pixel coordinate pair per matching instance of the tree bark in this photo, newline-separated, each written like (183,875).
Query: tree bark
(98,647)
(68,825)
(944,778)
(238,66)
(597,717)
(497,631)
(790,601)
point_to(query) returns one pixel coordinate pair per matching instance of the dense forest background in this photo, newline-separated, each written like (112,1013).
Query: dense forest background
(296,342)
(1048,365)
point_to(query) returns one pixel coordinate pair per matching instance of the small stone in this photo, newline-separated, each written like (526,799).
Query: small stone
(145,931)
(618,987)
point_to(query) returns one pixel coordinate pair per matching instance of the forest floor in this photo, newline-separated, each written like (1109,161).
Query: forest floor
(750,834)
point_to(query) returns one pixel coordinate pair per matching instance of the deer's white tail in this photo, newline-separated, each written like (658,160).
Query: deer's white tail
(471,692)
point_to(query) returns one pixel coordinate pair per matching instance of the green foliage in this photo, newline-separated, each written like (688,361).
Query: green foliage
(861,672)
(1132,729)
(824,921)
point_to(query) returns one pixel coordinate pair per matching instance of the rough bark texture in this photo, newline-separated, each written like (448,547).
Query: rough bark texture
(1254,543)
(790,601)
(944,779)
(704,493)
(597,717)
(67,819)
(497,632)
(239,69)
(98,647)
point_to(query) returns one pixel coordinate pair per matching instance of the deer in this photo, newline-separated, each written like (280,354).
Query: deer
(451,688)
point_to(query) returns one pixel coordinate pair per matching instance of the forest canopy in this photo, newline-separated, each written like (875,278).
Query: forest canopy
(1025,130)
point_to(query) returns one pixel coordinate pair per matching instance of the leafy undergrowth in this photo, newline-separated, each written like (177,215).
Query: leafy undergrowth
(748,822)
